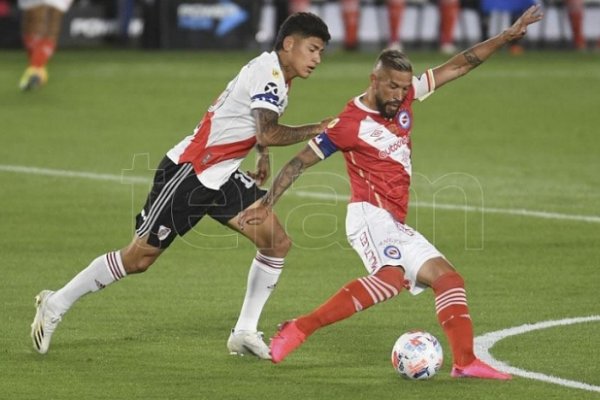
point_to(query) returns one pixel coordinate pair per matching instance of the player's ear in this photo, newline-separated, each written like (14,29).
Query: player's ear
(288,43)
(372,79)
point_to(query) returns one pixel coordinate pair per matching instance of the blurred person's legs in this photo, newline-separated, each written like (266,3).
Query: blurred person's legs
(449,11)
(124,17)
(40,27)
(299,6)
(575,12)
(395,10)
(351,18)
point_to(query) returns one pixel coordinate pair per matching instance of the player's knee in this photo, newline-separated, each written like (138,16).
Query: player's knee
(283,244)
(278,244)
(392,275)
(137,263)
(447,281)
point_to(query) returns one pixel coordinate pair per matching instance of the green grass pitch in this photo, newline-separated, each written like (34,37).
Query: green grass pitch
(518,137)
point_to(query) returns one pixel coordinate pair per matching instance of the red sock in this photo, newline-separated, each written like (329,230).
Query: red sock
(395,10)
(575,9)
(299,6)
(42,51)
(453,315)
(30,41)
(449,10)
(357,295)
(351,16)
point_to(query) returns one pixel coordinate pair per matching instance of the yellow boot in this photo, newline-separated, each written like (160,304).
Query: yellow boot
(33,78)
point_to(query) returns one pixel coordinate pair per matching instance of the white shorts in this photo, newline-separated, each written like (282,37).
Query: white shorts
(62,5)
(381,240)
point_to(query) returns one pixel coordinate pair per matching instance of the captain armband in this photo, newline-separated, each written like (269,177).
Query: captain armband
(322,146)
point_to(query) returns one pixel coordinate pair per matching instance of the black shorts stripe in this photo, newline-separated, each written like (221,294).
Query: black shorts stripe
(178,201)
(163,199)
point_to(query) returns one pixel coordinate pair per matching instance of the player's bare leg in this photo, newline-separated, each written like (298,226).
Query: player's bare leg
(40,29)
(449,12)
(453,315)
(103,271)
(272,245)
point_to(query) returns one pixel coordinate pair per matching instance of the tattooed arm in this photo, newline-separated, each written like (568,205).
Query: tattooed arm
(284,179)
(471,58)
(269,132)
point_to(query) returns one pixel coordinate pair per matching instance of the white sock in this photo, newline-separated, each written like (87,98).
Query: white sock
(101,272)
(262,278)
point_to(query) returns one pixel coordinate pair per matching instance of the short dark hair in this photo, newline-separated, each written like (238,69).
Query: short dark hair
(394,59)
(304,24)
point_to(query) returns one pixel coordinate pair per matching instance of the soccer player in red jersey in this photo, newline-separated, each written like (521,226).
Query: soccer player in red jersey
(374,134)
(200,176)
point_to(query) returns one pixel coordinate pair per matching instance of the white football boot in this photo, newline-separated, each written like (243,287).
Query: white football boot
(248,342)
(44,323)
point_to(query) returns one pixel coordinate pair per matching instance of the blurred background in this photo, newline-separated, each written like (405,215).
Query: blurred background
(245,24)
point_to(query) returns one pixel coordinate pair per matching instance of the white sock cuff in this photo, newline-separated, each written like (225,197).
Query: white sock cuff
(271,265)
(115,265)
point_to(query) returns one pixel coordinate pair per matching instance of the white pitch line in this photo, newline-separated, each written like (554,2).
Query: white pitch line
(485,342)
(459,207)
(61,173)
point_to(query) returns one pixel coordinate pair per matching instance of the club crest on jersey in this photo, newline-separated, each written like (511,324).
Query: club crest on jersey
(404,119)
(392,252)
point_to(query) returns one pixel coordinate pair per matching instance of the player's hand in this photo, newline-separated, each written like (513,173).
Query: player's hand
(263,169)
(253,216)
(519,28)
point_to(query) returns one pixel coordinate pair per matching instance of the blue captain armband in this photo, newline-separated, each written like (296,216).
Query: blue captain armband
(322,146)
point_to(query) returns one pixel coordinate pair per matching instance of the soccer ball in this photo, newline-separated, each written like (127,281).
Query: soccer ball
(417,355)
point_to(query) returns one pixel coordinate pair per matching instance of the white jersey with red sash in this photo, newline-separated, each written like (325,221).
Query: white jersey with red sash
(227,131)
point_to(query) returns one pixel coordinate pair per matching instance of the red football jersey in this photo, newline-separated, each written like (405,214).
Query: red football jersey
(377,150)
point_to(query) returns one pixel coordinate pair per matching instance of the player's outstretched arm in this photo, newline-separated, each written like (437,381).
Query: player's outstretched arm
(284,179)
(464,62)
(269,132)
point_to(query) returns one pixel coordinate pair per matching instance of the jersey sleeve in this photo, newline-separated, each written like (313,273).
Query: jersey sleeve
(267,88)
(424,85)
(340,134)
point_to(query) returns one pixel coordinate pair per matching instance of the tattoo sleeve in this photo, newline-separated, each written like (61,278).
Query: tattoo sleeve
(288,174)
(472,58)
(270,133)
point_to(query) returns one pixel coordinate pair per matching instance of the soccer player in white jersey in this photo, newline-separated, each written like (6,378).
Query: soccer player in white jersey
(374,134)
(200,176)
(40,26)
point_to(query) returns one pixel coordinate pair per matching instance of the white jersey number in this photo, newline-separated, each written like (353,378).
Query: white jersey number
(245,179)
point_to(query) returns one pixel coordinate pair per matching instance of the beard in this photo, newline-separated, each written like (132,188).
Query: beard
(387,109)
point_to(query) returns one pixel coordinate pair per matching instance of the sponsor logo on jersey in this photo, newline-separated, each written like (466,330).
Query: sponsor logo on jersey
(368,252)
(404,119)
(394,147)
(163,232)
(275,73)
(392,252)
